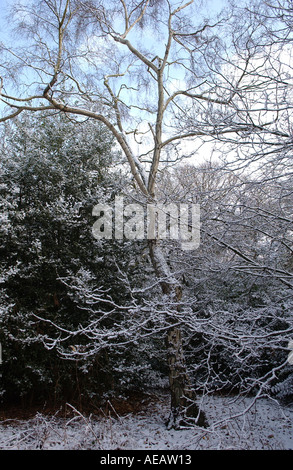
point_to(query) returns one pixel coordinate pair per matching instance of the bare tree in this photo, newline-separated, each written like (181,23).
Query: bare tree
(163,79)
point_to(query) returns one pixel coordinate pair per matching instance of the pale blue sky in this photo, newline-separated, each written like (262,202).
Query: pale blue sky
(4,6)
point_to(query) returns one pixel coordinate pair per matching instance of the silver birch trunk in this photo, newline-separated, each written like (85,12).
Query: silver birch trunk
(184,409)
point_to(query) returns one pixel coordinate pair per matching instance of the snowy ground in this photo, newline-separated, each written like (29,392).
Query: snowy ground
(266,426)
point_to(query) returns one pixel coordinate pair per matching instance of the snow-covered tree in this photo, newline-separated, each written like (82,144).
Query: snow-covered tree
(163,79)
(52,172)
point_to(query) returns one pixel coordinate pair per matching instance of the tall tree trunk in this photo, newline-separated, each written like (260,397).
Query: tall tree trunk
(184,409)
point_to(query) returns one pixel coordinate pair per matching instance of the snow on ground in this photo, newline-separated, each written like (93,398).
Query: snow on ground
(265,426)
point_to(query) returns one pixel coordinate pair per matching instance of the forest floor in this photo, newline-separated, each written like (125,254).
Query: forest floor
(235,423)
